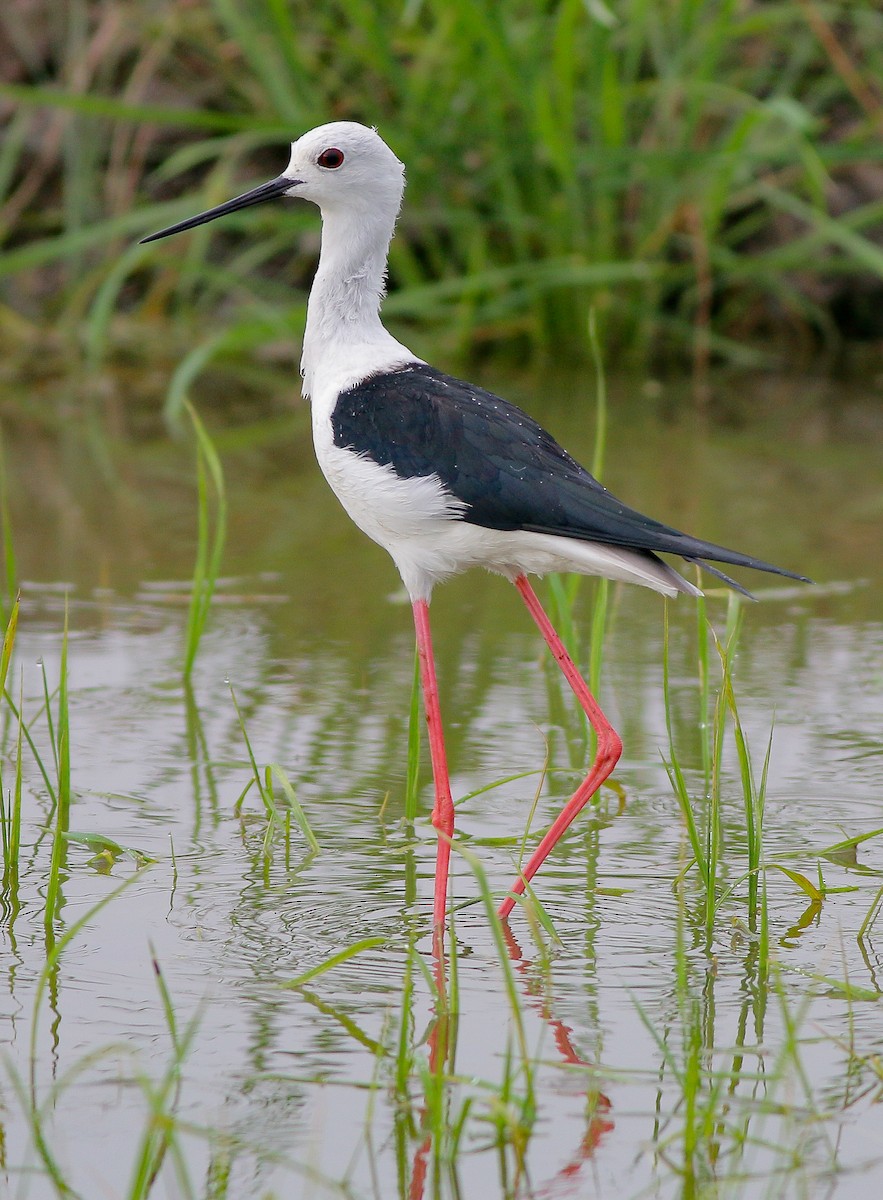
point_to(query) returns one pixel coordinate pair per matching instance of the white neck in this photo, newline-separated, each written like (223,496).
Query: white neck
(344,335)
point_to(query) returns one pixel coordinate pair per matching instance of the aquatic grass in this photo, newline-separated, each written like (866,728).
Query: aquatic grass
(503,780)
(202,768)
(17,714)
(266,781)
(342,956)
(10,827)
(531,813)
(60,740)
(503,959)
(106,852)
(753,793)
(597,352)
(716,1099)
(564,590)
(712,857)
(510,1104)
(36,1111)
(843,853)
(10,809)
(703,662)
(234,348)
(160,1135)
(8,588)
(404,1055)
(705,841)
(11,625)
(211,536)
(705,836)
(436,1109)
(871,916)
(159,1139)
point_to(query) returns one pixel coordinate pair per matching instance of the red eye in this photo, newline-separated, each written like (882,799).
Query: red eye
(330,158)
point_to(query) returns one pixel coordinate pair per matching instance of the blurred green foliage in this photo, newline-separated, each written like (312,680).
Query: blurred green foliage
(707,175)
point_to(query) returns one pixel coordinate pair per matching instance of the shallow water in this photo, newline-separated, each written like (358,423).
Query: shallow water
(291,1092)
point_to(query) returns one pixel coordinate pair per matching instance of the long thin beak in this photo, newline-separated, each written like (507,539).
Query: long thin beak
(266,191)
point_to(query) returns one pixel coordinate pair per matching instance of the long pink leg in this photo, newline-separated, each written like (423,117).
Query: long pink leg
(443,810)
(609,745)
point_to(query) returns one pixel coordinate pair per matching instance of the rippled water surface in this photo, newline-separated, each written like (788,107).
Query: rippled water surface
(658,1063)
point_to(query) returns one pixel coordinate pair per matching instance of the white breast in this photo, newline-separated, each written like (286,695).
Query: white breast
(408,517)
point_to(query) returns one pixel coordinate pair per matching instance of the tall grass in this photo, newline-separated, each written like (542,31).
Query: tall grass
(691,169)
(8,571)
(703,813)
(59,732)
(10,801)
(438,1108)
(162,1129)
(211,536)
(564,590)
(278,818)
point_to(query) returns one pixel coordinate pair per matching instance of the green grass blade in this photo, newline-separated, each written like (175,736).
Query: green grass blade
(299,815)
(92,105)
(335,960)
(62,812)
(8,644)
(8,593)
(211,537)
(672,764)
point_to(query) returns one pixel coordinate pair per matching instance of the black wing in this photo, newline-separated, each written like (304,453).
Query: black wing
(499,462)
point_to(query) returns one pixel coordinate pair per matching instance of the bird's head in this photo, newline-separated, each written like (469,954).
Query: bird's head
(343,167)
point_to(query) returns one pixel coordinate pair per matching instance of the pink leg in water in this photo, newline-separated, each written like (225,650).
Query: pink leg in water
(609,745)
(443,810)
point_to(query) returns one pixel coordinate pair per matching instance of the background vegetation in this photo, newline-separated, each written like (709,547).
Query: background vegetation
(707,173)
(696,1011)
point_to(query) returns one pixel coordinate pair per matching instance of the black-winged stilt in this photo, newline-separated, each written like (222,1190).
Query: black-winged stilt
(445,475)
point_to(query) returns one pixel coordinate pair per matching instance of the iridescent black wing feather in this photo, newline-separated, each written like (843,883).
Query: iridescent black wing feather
(497,460)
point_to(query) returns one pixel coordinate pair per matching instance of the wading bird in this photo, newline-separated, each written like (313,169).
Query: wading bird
(441,473)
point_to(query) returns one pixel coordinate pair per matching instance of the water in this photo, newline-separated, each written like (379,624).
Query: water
(292,1092)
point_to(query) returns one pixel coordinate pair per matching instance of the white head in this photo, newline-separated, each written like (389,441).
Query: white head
(343,167)
(357,182)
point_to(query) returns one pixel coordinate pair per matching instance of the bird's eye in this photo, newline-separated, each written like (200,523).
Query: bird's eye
(330,158)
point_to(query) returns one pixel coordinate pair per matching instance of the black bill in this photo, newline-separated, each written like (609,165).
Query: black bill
(266,191)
